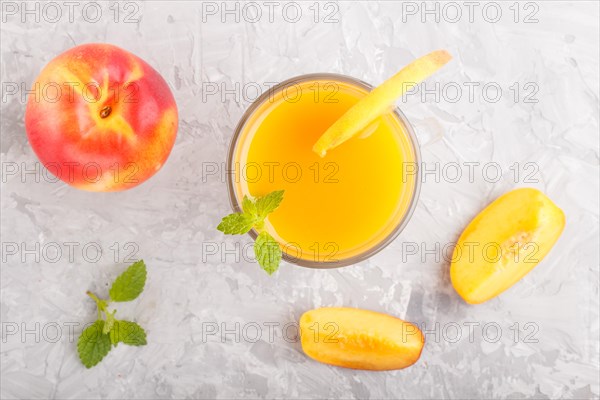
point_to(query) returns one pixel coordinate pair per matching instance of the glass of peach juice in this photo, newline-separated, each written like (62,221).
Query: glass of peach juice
(337,210)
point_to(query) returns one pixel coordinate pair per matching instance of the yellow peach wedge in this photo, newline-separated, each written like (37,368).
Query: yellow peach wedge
(379,101)
(503,243)
(359,339)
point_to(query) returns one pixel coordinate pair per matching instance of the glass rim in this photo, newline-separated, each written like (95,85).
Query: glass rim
(414,144)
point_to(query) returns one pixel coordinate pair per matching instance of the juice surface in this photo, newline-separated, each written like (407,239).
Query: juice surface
(334,207)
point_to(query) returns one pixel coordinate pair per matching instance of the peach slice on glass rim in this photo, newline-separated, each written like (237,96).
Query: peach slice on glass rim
(379,100)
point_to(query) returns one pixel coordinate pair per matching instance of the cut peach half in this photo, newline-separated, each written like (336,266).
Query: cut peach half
(503,243)
(379,101)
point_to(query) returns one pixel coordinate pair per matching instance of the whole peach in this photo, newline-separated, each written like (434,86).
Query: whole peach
(100,118)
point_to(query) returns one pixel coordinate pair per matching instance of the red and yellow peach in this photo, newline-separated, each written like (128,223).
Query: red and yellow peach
(112,124)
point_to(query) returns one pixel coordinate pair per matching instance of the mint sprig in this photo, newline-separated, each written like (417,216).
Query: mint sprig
(253,215)
(97,340)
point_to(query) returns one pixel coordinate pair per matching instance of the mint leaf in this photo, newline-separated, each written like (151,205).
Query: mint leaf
(236,224)
(268,252)
(249,207)
(128,332)
(93,345)
(267,204)
(130,283)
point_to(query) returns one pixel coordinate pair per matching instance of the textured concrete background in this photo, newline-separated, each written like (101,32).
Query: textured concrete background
(209,316)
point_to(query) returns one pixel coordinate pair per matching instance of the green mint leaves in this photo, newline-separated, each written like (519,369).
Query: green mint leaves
(266,249)
(97,339)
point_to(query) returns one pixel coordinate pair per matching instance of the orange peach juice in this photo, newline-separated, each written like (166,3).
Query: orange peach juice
(338,209)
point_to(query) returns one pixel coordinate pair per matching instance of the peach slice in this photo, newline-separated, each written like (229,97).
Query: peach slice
(359,339)
(379,100)
(503,243)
